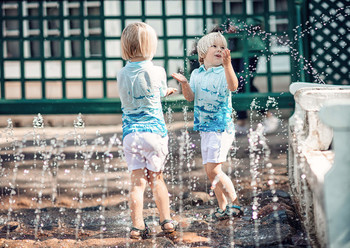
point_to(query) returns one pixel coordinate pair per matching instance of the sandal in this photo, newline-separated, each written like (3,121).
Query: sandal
(169,230)
(217,215)
(231,211)
(142,234)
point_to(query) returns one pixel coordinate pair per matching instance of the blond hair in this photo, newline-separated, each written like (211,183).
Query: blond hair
(207,41)
(138,40)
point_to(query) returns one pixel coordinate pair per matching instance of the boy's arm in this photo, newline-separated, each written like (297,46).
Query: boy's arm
(186,89)
(231,78)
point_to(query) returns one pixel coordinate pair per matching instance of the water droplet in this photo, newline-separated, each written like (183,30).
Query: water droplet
(79,121)
(38,121)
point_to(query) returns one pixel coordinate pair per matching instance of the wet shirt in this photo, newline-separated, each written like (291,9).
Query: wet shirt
(141,85)
(212,102)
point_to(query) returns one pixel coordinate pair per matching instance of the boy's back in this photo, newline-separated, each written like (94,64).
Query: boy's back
(140,86)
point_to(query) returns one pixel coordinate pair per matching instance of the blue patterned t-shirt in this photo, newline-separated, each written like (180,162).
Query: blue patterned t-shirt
(212,102)
(141,85)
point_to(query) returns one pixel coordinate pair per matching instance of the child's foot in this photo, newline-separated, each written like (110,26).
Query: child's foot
(230,211)
(169,226)
(234,211)
(139,234)
(217,215)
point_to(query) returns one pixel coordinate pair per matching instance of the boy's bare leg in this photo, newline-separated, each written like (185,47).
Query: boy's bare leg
(223,186)
(161,196)
(138,186)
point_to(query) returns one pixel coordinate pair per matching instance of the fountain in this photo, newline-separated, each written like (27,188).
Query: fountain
(68,187)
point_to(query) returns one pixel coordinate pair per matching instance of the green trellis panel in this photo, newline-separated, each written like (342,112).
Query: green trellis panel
(83,21)
(328,30)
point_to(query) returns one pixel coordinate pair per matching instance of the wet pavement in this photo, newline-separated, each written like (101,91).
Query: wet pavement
(80,198)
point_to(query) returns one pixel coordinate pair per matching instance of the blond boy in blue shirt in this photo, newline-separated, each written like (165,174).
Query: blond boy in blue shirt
(210,88)
(145,141)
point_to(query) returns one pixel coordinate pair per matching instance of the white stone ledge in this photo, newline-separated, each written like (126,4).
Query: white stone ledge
(320,162)
(321,117)
(309,99)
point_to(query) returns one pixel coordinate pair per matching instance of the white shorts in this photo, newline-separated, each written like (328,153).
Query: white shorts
(215,146)
(145,150)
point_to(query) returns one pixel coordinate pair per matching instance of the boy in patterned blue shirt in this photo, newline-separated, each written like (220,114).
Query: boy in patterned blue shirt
(145,141)
(210,88)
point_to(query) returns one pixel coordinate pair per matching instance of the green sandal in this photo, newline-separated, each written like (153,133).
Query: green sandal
(217,215)
(142,234)
(231,211)
(169,230)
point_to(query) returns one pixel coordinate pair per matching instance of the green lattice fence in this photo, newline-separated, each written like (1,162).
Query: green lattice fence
(329,41)
(58,49)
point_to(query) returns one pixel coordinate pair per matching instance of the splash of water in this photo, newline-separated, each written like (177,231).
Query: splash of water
(38,121)
(298,142)
(171,135)
(285,40)
(107,156)
(254,156)
(12,184)
(80,143)
(39,141)
(188,153)
(79,122)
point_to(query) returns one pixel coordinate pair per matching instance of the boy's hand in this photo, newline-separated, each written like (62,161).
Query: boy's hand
(179,77)
(170,91)
(186,88)
(226,58)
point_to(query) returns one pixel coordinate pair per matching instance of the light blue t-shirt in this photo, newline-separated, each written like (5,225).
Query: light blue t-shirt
(212,101)
(141,85)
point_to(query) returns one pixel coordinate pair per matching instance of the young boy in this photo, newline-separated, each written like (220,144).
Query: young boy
(210,87)
(145,139)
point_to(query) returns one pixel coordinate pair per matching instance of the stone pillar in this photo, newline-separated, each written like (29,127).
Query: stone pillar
(336,114)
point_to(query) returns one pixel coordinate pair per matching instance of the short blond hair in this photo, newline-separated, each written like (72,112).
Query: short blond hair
(207,41)
(138,40)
